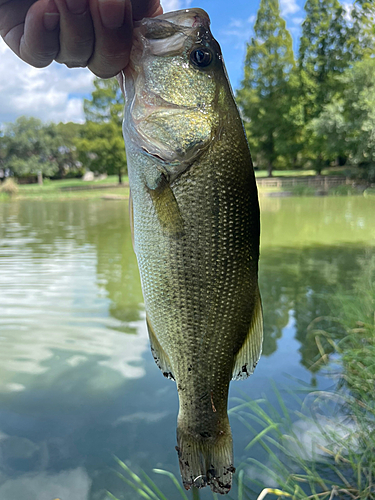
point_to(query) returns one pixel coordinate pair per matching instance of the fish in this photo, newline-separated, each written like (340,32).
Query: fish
(196,226)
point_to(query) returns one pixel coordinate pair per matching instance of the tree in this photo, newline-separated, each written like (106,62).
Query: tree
(266,96)
(332,41)
(323,53)
(346,126)
(106,103)
(2,155)
(363,15)
(30,148)
(101,146)
(67,155)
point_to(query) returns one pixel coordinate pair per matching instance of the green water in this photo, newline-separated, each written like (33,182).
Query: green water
(78,384)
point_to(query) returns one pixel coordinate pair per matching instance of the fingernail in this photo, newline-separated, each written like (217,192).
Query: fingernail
(77,6)
(112,13)
(51,17)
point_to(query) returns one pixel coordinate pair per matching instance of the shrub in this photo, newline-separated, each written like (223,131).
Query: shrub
(9,187)
(303,190)
(343,190)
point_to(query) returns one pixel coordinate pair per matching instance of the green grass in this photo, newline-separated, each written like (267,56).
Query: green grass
(285,173)
(52,190)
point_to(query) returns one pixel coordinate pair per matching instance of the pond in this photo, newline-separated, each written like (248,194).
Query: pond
(78,384)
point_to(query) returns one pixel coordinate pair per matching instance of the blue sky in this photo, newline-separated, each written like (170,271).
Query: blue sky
(56,93)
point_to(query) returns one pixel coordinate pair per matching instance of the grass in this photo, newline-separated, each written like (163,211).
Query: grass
(326,449)
(56,190)
(285,173)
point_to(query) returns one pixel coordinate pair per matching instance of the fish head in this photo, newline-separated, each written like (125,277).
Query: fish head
(174,85)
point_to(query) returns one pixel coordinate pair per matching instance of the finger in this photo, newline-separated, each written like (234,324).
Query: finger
(25,31)
(76,33)
(113,36)
(13,14)
(148,8)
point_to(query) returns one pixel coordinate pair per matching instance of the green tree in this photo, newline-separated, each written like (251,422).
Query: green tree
(31,148)
(2,154)
(346,126)
(106,103)
(266,95)
(101,146)
(330,43)
(67,155)
(363,14)
(323,53)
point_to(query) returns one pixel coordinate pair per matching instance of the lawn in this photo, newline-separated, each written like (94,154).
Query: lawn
(57,190)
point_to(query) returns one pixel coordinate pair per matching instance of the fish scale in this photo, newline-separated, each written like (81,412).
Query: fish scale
(196,237)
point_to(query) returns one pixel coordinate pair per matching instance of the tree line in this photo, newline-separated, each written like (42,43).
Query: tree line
(311,111)
(31,149)
(318,109)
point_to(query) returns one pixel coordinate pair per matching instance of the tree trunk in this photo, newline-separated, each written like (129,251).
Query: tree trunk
(269,169)
(40,178)
(119,176)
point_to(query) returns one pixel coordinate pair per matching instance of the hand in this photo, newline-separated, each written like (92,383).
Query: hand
(78,33)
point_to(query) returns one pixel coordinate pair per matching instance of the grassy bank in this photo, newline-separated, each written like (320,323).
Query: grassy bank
(60,190)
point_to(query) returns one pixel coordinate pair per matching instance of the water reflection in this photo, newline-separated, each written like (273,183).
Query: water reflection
(77,381)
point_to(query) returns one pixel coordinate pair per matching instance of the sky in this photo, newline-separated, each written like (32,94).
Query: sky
(56,93)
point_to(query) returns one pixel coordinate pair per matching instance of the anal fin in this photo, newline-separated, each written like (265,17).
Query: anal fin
(160,356)
(250,351)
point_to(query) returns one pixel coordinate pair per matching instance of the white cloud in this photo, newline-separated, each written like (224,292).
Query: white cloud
(348,9)
(288,7)
(298,20)
(169,5)
(51,94)
(238,31)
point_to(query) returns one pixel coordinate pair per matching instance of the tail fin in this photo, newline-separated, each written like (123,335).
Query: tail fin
(206,460)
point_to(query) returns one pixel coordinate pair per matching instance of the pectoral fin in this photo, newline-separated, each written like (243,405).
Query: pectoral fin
(167,209)
(160,356)
(249,354)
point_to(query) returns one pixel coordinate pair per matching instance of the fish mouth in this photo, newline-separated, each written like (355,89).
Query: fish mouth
(167,33)
(185,18)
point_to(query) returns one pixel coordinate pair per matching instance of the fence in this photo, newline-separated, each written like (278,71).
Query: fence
(315,182)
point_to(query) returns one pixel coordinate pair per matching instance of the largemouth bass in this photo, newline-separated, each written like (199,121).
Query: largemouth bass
(195,218)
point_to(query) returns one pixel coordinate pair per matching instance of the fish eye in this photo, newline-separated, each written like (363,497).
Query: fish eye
(201,57)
